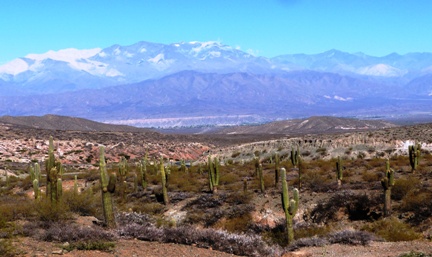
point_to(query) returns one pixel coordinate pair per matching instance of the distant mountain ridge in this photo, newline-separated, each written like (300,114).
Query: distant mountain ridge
(56,122)
(73,69)
(207,83)
(311,125)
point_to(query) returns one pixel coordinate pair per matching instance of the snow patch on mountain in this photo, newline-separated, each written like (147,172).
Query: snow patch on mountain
(157,58)
(76,59)
(339,98)
(14,67)
(381,70)
(65,55)
(159,62)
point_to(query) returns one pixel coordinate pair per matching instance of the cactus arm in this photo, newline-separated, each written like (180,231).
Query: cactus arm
(339,171)
(276,161)
(107,187)
(217,170)
(261,178)
(164,182)
(387,183)
(36,189)
(289,206)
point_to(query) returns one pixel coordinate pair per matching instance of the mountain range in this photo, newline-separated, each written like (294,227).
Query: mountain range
(202,83)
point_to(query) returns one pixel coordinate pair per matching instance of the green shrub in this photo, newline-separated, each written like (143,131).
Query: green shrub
(236,154)
(311,231)
(84,203)
(392,229)
(6,248)
(44,211)
(149,208)
(91,246)
(235,224)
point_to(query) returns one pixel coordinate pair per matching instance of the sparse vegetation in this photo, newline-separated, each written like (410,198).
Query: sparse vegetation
(235,216)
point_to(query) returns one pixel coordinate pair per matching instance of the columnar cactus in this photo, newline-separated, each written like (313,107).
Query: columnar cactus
(277,163)
(36,189)
(387,183)
(54,172)
(75,190)
(213,169)
(256,163)
(414,156)
(35,176)
(294,157)
(295,160)
(339,171)
(183,166)
(35,172)
(164,182)
(108,183)
(261,178)
(142,166)
(289,206)
(123,171)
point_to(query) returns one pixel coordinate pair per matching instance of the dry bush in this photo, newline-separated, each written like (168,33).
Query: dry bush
(186,182)
(238,244)
(419,204)
(403,186)
(47,212)
(355,206)
(392,229)
(312,231)
(235,224)
(318,182)
(84,203)
(351,237)
(66,232)
(229,178)
(148,208)
(371,176)
(14,207)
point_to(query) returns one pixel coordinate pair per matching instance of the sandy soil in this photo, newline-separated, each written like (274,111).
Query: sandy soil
(134,248)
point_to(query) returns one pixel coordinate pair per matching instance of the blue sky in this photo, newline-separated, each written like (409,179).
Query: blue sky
(264,27)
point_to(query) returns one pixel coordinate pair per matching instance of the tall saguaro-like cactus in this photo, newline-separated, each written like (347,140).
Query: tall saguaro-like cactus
(414,156)
(290,206)
(339,171)
(35,176)
(108,184)
(276,163)
(123,171)
(295,161)
(261,178)
(54,171)
(387,183)
(213,169)
(164,182)
(142,166)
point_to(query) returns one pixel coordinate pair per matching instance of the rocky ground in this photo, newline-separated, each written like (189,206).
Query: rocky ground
(136,248)
(78,150)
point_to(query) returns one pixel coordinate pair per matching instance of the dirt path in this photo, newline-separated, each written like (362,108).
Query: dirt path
(376,249)
(136,248)
(124,248)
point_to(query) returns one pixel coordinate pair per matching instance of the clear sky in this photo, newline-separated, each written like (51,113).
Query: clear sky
(264,27)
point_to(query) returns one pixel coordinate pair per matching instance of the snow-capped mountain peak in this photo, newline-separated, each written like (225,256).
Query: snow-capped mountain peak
(65,55)
(382,70)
